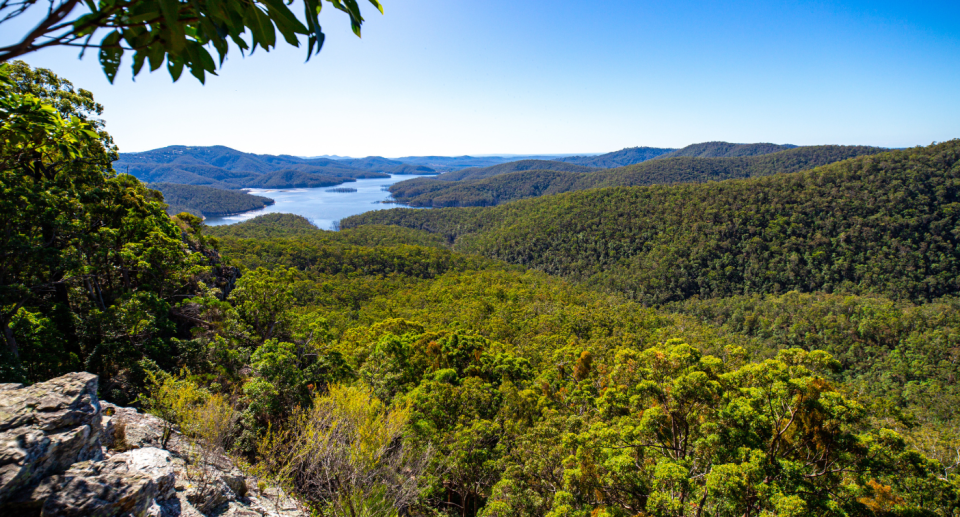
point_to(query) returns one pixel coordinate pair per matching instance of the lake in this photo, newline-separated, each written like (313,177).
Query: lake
(322,208)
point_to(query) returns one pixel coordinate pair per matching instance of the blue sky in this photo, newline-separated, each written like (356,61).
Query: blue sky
(450,77)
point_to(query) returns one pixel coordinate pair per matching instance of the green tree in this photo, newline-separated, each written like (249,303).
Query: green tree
(43,176)
(90,263)
(264,299)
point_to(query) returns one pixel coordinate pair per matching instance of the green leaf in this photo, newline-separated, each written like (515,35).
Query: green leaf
(155,54)
(138,59)
(175,67)
(110,55)
(172,24)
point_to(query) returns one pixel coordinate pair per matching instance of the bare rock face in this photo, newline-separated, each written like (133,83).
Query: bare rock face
(63,453)
(157,464)
(46,428)
(105,488)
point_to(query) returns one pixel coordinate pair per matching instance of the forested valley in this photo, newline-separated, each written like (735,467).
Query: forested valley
(778,345)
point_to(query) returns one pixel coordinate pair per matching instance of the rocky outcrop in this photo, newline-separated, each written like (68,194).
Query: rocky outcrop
(46,428)
(111,487)
(63,453)
(125,428)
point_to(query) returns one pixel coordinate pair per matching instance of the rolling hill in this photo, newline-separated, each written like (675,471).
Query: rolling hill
(878,224)
(517,185)
(475,173)
(455,163)
(621,158)
(387,166)
(725,150)
(222,167)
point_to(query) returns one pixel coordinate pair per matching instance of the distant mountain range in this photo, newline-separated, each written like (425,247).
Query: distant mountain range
(455,163)
(699,163)
(623,157)
(226,168)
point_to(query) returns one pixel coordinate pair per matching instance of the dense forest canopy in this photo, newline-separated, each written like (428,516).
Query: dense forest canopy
(475,173)
(424,367)
(881,224)
(429,192)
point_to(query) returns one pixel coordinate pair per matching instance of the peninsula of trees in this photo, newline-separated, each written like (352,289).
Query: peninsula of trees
(207,201)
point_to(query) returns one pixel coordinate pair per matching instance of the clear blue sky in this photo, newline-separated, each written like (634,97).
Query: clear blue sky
(452,77)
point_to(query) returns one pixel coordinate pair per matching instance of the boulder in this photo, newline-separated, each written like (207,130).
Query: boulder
(208,491)
(52,463)
(106,488)
(157,464)
(126,428)
(46,428)
(236,481)
(125,484)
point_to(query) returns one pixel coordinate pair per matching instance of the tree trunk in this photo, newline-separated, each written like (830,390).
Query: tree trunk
(10,339)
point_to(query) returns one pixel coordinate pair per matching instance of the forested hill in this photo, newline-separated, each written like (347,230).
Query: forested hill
(455,163)
(883,224)
(621,158)
(508,187)
(207,201)
(266,226)
(725,150)
(223,167)
(380,164)
(474,173)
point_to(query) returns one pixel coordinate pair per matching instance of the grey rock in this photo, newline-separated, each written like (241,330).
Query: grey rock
(209,494)
(138,429)
(52,463)
(109,488)
(236,481)
(155,464)
(45,428)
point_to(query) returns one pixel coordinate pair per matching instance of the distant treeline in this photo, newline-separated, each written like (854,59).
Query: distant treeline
(423,192)
(476,173)
(633,155)
(880,224)
(623,157)
(726,150)
(208,201)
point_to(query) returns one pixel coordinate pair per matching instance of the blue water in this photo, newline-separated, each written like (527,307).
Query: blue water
(322,208)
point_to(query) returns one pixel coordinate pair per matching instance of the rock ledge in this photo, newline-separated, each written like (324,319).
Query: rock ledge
(62,456)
